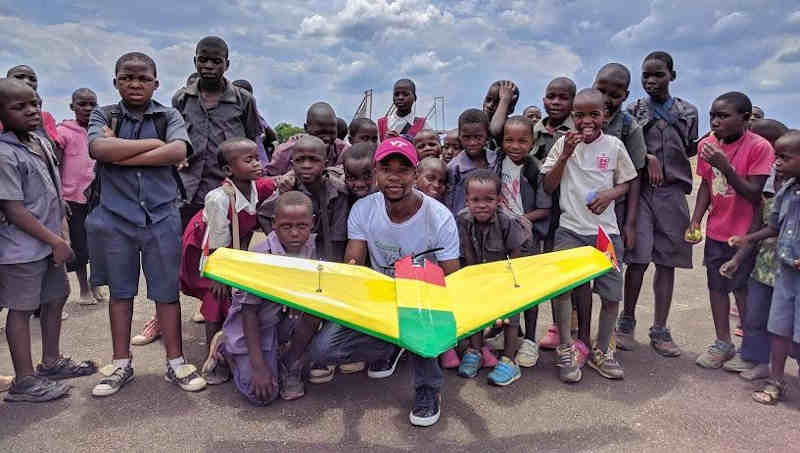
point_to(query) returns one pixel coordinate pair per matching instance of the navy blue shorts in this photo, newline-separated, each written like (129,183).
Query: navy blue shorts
(119,251)
(716,254)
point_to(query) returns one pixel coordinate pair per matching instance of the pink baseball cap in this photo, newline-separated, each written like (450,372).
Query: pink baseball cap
(397,145)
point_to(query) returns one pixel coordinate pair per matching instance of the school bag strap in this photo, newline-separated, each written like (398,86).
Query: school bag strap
(230,191)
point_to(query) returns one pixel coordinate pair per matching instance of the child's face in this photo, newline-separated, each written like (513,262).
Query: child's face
(243,164)
(614,88)
(427,144)
(533,114)
(395,176)
(308,164)
(367,133)
(757,114)
(482,200)
(557,100)
(20,111)
(726,122)
(517,141)
(322,127)
(656,78)
(82,105)
(136,82)
(473,138)
(359,176)
(211,63)
(26,75)
(787,158)
(432,182)
(403,98)
(491,100)
(452,146)
(588,116)
(293,226)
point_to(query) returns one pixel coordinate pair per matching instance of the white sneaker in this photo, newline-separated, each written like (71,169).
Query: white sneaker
(528,354)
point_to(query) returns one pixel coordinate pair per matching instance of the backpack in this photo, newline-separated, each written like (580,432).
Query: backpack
(112,114)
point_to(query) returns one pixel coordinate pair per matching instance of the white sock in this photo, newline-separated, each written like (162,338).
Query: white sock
(176,362)
(122,363)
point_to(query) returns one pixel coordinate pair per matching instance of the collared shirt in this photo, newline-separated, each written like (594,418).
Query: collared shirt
(457,172)
(785,217)
(77,167)
(330,217)
(544,138)
(235,115)
(32,179)
(492,241)
(217,212)
(281,161)
(140,195)
(673,145)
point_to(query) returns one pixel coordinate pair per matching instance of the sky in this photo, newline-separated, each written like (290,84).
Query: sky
(297,53)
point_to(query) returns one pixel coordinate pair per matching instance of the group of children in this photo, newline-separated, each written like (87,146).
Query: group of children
(138,186)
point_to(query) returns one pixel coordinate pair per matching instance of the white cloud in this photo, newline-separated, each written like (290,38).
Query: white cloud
(734,20)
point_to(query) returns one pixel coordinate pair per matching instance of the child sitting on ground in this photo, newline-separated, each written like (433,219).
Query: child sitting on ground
(498,104)
(473,131)
(784,322)
(363,130)
(35,248)
(734,164)
(401,121)
(240,194)
(256,328)
(427,144)
(481,228)
(432,178)
(592,170)
(451,146)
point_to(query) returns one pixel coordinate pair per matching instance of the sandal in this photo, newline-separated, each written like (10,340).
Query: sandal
(66,368)
(772,392)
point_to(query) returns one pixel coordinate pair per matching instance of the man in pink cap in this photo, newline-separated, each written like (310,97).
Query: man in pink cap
(395,222)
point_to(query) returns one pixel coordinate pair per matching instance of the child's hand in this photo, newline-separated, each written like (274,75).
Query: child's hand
(183,164)
(796,264)
(507,90)
(571,140)
(108,133)
(392,133)
(62,252)
(286,183)
(715,156)
(263,384)
(601,202)
(728,270)
(220,291)
(738,241)
(693,234)
(655,173)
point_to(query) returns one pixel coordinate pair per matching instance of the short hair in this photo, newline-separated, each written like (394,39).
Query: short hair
(738,99)
(432,162)
(360,151)
(136,56)
(616,67)
(472,116)
(293,198)
(661,56)
(792,136)
(319,108)
(310,141)
(593,92)
(17,68)
(82,91)
(519,119)
(10,85)
(243,84)
(531,107)
(227,147)
(212,41)
(483,175)
(358,123)
(571,87)
(427,130)
(341,128)
(770,129)
(408,82)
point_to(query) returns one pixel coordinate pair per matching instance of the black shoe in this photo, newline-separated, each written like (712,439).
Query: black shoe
(384,368)
(36,389)
(426,410)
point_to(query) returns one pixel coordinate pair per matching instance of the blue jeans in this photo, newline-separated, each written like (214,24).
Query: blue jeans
(335,345)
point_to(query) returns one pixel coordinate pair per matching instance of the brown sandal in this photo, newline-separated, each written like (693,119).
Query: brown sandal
(772,392)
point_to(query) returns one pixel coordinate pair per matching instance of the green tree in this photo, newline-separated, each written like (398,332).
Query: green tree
(286,130)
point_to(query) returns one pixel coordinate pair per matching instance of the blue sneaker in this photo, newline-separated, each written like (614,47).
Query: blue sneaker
(505,372)
(471,363)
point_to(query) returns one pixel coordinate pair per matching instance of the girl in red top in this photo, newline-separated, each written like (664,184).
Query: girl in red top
(402,120)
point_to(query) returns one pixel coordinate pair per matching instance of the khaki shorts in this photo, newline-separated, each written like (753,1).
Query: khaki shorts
(26,286)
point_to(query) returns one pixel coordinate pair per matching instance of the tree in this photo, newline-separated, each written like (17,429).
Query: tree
(286,130)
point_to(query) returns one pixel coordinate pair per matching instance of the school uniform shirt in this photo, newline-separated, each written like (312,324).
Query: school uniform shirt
(544,137)
(595,166)
(139,195)
(32,179)
(432,226)
(785,217)
(77,168)
(281,161)
(672,143)
(494,241)
(217,211)
(730,213)
(457,171)
(235,115)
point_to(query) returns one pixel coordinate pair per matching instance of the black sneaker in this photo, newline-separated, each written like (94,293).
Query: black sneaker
(36,389)
(426,410)
(384,368)
(115,379)
(66,368)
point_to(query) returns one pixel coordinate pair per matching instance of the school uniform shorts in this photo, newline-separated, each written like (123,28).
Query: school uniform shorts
(784,313)
(609,285)
(661,222)
(26,286)
(119,250)
(716,254)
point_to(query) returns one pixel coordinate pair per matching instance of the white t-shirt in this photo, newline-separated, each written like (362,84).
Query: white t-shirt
(433,226)
(397,123)
(512,195)
(595,166)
